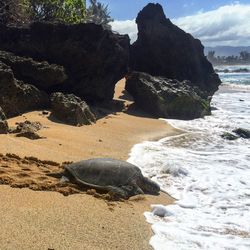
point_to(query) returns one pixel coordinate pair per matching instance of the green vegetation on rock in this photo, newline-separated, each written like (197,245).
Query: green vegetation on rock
(21,12)
(67,11)
(98,13)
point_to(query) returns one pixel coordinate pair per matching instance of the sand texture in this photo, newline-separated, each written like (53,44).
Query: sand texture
(50,220)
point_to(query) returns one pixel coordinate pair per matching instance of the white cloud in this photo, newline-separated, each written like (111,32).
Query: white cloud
(126,27)
(227,25)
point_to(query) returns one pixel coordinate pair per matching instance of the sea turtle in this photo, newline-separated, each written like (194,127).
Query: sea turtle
(121,178)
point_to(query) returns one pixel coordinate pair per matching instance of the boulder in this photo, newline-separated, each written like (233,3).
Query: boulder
(71,109)
(229,136)
(242,132)
(3,123)
(28,129)
(43,75)
(94,59)
(17,97)
(166,98)
(163,49)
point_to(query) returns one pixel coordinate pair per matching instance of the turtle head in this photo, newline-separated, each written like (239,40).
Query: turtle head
(149,186)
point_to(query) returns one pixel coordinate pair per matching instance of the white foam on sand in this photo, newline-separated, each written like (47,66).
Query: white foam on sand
(208,175)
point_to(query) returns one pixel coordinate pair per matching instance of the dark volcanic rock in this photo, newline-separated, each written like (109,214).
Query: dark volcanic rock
(28,129)
(166,98)
(71,109)
(94,59)
(242,132)
(229,136)
(163,49)
(17,97)
(3,123)
(43,75)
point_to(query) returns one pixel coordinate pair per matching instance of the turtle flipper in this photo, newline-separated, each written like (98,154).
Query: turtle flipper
(118,192)
(125,191)
(132,189)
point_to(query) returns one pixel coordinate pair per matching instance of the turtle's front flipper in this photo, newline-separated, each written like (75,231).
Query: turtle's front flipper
(132,189)
(118,192)
(126,191)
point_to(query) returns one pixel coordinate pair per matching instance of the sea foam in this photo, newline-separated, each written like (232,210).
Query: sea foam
(208,175)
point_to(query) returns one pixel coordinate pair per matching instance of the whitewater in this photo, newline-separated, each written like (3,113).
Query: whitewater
(207,175)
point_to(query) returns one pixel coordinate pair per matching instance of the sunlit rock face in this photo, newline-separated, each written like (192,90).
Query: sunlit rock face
(163,49)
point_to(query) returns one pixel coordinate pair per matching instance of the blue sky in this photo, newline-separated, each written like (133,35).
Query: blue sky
(128,9)
(214,22)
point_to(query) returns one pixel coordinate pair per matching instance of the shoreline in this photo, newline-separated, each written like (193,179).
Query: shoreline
(79,221)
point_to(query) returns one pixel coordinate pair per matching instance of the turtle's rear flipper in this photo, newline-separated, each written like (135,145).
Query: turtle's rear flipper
(56,175)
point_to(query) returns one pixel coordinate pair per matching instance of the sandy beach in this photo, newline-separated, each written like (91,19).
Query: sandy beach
(49,220)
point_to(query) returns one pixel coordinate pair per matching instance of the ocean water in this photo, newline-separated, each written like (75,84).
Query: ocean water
(208,176)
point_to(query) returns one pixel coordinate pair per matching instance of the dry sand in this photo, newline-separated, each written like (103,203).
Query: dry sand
(49,220)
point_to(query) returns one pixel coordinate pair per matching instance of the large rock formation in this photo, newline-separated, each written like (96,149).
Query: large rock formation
(163,49)
(71,109)
(166,98)
(94,59)
(17,97)
(43,75)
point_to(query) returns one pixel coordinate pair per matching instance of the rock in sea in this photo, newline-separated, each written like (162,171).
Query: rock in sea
(242,132)
(229,136)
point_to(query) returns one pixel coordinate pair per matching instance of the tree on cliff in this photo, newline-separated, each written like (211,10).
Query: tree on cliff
(98,13)
(13,12)
(19,12)
(67,11)
(245,56)
(211,56)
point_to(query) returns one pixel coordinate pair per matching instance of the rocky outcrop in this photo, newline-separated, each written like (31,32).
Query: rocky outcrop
(242,132)
(43,75)
(166,98)
(71,109)
(163,49)
(238,133)
(3,123)
(94,59)
(17,97)
(229,136)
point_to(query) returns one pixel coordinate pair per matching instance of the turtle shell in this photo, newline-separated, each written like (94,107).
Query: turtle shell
(104,172)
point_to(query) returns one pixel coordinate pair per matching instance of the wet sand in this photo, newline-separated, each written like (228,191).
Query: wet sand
(49,220)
